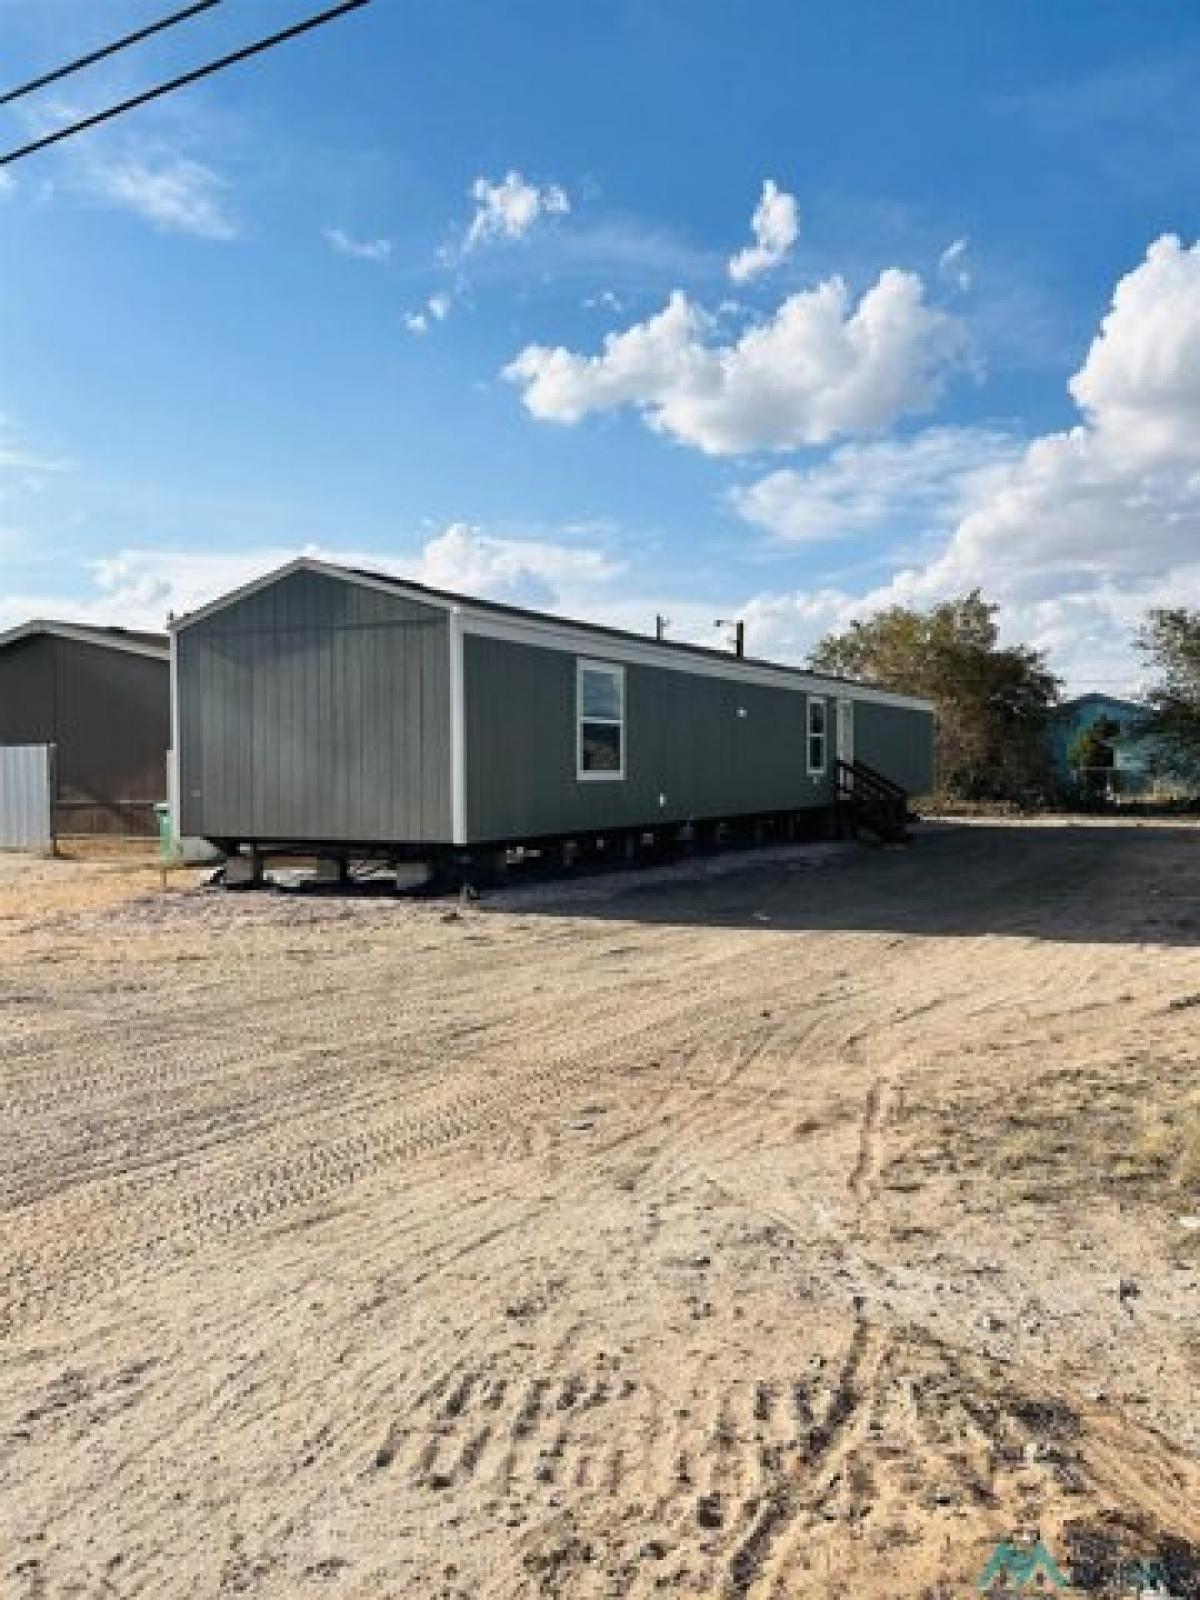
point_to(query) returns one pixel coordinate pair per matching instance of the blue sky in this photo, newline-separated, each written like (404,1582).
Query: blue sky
(787,310)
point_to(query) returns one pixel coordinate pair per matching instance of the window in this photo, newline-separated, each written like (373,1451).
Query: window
(600,710)
(816,737)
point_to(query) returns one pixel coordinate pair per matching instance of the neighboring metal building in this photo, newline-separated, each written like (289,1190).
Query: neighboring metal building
(101,698)
(330,706)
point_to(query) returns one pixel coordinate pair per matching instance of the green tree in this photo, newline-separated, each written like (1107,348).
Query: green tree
(1170,643)
(1091,754)
(992,702)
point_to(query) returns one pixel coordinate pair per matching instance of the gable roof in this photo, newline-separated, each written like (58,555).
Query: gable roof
(676,651)
(1097,698)
(130,640)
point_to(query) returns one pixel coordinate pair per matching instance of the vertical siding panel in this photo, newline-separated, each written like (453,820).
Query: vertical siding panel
(320,796)
(400,664)
(400,668)
(684,739)
(387,731)
(291,729)
(378,749)
(342,713)
(409,753)
(201,706)
(366,643)
(414,729)
(434,732)
(256,691)
(355,640)
(202,701)
(363,643)
(280,662)
(236,727)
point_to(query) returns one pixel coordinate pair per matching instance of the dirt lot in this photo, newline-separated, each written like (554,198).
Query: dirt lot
(798,1230)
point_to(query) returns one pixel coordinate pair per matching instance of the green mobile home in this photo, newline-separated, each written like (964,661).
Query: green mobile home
(329,707)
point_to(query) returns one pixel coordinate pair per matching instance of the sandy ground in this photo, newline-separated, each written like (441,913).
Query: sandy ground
(755,1234)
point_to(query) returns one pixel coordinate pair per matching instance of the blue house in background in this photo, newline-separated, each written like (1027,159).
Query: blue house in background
(1131,769)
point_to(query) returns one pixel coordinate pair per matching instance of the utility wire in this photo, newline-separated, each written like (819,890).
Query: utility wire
(181,82)
(107,50)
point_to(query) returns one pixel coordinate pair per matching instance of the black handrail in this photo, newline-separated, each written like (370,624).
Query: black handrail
(856,774)
(881,804)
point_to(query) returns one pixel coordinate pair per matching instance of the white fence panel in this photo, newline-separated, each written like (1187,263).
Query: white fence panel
(26,796)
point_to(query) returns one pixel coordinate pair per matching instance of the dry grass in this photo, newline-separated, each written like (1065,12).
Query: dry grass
(1171,1146)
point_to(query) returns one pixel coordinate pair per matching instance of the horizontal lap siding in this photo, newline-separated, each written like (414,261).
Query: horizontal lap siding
(684,741)
(316,710)
(897,741)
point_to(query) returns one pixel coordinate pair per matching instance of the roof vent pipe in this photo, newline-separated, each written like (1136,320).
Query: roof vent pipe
(739,633)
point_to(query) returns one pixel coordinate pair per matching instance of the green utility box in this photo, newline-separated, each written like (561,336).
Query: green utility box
(168,848)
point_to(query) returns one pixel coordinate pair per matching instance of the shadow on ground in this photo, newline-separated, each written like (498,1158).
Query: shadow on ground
(1091,883)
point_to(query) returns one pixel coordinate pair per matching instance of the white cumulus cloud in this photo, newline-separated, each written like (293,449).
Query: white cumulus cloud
(1115,498)
(953,264)
(924,482)
(358,249)
(820,367)
(527,572)
(175,193)
(1086,528)
(436,309)
(775,225)
(139,587)
(507,208)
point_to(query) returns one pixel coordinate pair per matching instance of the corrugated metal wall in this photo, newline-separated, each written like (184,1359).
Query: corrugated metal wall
(686,742)
(26,797)
(316,710)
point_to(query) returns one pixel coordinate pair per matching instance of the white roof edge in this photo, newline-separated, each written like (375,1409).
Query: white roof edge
(85,634)
(582,637)
(553,635)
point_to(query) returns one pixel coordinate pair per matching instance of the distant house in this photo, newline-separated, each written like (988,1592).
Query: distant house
(1132,765)
(102,698)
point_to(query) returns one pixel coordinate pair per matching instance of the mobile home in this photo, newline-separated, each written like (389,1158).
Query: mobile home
(344,710)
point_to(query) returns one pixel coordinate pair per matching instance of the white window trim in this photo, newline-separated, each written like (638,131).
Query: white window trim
(614,670)
(811,733)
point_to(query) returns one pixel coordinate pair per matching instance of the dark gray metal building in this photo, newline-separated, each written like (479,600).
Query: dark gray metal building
(101,697)
(330,706)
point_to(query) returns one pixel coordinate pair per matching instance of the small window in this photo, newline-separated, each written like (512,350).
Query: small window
(816,737)
(600,710)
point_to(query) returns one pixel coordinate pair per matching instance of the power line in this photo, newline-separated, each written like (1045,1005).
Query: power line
(108,50)
(181,82)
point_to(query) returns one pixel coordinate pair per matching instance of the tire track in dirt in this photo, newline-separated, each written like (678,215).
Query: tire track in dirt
(883,1101)
(537,1269)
